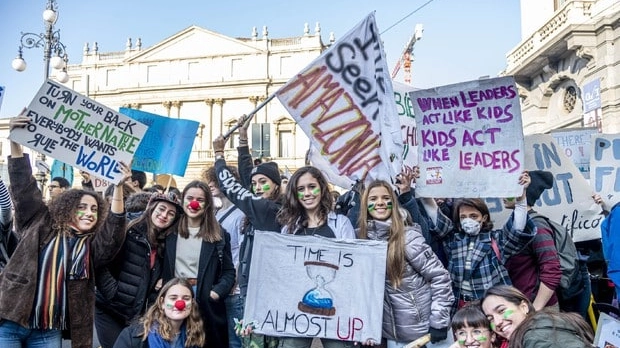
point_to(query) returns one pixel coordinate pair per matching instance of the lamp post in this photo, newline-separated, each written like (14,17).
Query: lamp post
(54,55)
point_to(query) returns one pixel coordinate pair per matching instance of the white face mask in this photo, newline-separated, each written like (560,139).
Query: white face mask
(470,226)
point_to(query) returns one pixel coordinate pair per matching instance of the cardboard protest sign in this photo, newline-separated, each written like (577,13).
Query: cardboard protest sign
(307,286)
(576,145)
(605,165)
(607,332)
(407,123)
(470,139)
(344,102)
(569,202)
(166,146)
(79,131)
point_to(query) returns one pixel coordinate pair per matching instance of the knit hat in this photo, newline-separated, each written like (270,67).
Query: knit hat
(270,170)
(169,197)
(540,181)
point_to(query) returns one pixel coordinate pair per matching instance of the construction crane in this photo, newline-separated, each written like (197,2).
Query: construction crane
(407,57)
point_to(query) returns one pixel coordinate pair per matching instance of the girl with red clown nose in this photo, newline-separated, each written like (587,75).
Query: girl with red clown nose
(199,250)
(172,321)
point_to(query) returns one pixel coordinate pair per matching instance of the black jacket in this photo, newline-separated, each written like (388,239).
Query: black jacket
(213,274)
(131,337)
(126,286)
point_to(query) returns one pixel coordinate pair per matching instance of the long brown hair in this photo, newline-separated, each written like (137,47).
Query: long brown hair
(209,227)
(570,321)
(293,214)
(154,235)
(395,263)
(155,314)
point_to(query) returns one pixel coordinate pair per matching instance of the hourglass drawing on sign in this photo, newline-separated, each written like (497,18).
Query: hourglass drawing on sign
(319,300)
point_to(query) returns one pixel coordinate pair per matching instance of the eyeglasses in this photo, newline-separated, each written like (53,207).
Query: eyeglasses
(51,187)
(477,334)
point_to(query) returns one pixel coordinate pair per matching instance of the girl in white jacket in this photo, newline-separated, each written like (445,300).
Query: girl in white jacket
(418,289)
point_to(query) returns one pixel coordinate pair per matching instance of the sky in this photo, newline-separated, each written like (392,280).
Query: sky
(462,40)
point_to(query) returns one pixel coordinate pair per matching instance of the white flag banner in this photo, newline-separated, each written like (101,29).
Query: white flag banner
(308,286)
(344,102)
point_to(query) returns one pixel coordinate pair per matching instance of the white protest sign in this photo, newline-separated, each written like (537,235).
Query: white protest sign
(407,122)
(470,139)
(605,166)
(307,286)
(607,332)
(79,131)
(576,145)
(569,202)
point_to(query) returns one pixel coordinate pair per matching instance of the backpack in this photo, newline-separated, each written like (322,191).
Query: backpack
(570,283)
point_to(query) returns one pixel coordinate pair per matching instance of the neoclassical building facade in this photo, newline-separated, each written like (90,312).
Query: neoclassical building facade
(201,75)
(567,66)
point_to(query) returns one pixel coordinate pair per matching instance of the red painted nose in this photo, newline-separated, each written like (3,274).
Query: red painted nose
(194,205)
(179,305)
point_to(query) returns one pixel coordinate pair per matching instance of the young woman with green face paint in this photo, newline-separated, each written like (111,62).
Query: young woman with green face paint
(307,210)
(415,281)
(506,308)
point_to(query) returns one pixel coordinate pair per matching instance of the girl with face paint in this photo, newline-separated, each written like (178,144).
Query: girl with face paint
(48,284)
(513,318)
(173,321)
(471,328)
(477,252)
(135,274)
(307,210)
(415,281)
(199,250)
(257,194)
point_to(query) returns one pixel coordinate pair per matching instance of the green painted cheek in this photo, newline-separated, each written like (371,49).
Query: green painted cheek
(80,213)
(508,313)
(492,326)
(461,342)
(300,195)
(316,191)
(481,338)
(266,187)
(389,205)
(371,207)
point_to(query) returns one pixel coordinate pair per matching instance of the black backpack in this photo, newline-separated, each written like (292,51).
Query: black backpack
(571,282)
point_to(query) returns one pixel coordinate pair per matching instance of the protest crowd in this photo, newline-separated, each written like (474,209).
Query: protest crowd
(159,267)
(247,256)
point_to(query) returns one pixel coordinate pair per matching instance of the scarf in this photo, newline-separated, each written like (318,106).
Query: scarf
(61,255)
(156,341)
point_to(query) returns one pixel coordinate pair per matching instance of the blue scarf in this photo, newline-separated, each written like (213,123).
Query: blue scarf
(156,341)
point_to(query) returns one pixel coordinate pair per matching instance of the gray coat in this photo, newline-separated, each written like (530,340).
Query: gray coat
(424,297)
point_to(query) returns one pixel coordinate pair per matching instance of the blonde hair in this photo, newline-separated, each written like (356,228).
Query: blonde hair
(195,335)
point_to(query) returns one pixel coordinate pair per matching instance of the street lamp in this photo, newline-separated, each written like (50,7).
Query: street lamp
(54,55)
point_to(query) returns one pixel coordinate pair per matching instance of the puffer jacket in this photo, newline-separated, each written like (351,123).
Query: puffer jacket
(424,297)
(126,286)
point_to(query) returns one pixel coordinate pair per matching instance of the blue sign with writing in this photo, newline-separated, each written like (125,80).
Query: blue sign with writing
(167,144)
(592,95)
